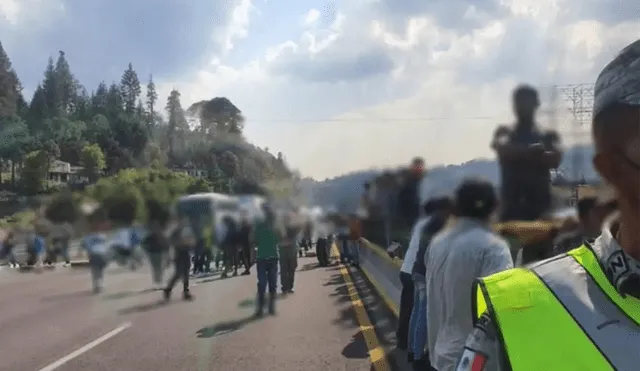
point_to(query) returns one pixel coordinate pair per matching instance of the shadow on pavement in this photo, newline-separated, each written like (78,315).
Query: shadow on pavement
(128,294)
(68,296)
(224,327)
(357,348)
(336,279)
(251,302)
(341,293)
(309,267)
(141,308)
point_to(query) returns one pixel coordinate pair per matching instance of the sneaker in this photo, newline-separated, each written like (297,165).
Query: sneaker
(246,273)
(186,295)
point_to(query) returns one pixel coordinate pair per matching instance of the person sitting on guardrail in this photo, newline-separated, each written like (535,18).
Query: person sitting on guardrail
(97,246)
(436,215)
(455,258)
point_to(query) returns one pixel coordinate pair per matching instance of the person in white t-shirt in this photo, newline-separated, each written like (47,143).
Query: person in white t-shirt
(97,247)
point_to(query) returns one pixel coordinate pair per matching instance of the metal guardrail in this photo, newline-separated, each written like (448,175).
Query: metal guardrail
(383,272)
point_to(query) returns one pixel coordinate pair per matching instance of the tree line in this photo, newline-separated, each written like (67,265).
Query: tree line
(115,126)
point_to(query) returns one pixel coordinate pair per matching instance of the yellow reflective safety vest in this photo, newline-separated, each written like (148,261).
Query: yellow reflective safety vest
(562,314)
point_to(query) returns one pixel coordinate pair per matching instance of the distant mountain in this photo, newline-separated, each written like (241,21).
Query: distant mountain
(343,192)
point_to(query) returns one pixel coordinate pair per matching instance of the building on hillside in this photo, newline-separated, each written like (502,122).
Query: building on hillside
(62,172)
(192,171)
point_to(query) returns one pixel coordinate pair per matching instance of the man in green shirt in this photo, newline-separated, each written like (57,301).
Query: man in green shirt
(267,237)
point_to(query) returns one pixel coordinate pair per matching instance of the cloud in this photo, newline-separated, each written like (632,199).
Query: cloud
(312,17)
(162,37)
(368,83)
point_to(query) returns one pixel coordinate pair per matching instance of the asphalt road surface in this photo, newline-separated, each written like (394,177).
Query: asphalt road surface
(51,321)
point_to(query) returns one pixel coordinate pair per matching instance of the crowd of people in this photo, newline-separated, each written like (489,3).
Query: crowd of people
(464,307)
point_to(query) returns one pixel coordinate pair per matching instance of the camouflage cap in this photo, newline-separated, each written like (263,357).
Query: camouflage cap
(619,81)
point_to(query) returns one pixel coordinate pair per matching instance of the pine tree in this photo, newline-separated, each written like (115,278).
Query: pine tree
(10,87)
(51,90)
(130,88)
(67,87)
(177,121)
(152,98)
(100,99)
(38,110)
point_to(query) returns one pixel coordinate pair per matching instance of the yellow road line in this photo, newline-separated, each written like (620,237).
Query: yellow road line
(376,352)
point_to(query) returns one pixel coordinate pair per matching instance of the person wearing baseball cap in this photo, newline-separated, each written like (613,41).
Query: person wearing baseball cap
(579,310)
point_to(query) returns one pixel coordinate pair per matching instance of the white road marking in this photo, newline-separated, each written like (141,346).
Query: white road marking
(86,348)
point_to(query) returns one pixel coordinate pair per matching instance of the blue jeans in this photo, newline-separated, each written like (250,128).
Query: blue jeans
(267,275)
(418,323)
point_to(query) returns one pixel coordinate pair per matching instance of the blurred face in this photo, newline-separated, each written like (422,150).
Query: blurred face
(525,106)
(618,161)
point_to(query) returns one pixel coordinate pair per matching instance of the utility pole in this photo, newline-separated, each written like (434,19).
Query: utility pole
(579,99)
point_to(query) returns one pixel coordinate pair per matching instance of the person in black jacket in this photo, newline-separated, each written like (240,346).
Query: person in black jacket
(230,247)
(437,211)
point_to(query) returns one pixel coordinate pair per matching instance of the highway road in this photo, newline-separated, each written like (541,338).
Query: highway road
(51,321)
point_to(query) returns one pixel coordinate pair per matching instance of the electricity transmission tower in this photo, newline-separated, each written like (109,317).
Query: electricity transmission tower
(578,98)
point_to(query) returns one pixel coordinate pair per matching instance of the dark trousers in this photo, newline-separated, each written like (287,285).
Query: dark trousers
(406,307)
(182,265)
(288,266)
(246,256)
(267,277)
(231,258)
(322,252)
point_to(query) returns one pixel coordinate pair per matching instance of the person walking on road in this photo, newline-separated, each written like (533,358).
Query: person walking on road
(266,239)
(157,246)
(466,250)
(184,241)
(585,312)
(97,247)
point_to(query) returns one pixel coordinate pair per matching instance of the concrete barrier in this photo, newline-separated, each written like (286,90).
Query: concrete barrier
(383,272)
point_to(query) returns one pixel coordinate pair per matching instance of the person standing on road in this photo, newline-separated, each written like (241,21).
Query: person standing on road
(267,238)
(355,233)
(407,293)
(230,247)
(289,254)
(585,311)
(457,255)
(436,214)
(244,240)
(184,241)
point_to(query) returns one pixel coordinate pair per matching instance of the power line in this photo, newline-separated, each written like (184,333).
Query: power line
(373,120)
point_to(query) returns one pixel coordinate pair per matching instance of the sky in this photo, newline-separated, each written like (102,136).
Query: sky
(337,86)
